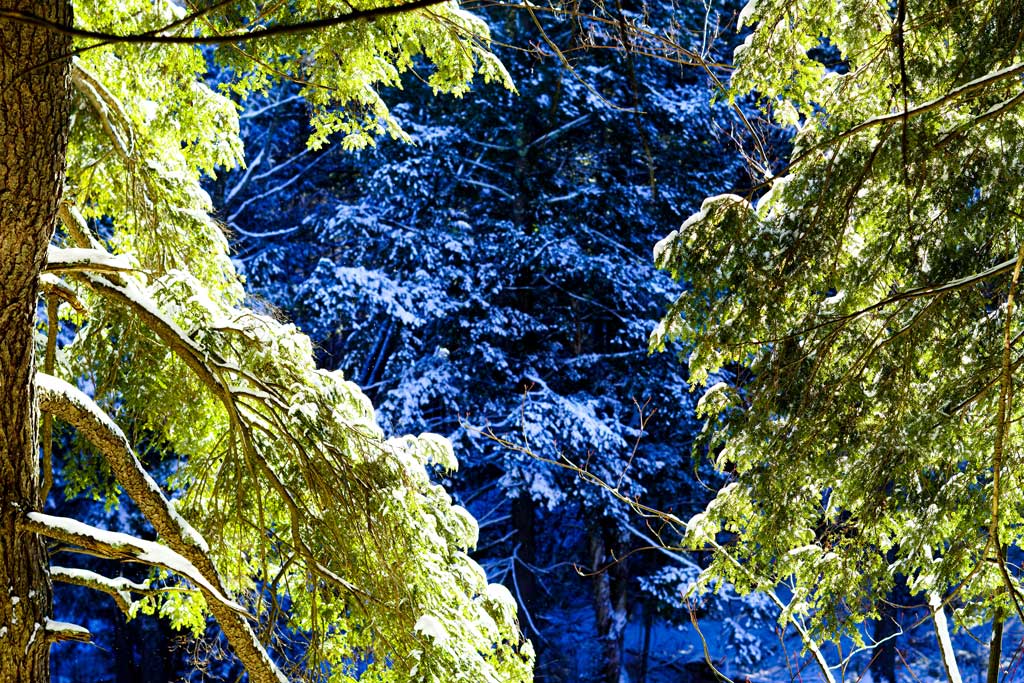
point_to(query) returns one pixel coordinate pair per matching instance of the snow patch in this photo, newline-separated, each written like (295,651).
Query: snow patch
(53,626)
(431,627)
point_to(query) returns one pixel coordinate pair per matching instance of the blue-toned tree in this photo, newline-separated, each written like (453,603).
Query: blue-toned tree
(493,279)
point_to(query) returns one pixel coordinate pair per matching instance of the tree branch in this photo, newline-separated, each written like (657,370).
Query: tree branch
(61,631)
(154,37)
(186,544)
(54,286)
(119,546)
(76,259)
(119,589)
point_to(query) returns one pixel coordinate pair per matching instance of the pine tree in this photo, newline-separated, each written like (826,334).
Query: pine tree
(868,294)
(290,507)
(495,276)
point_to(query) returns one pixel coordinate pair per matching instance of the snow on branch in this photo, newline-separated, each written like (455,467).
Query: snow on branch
(66,402)
(118,546)
(78,258)
(119,588)
(59,631)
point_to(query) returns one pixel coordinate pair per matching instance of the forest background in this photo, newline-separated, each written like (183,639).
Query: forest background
(493,274)
(494,279)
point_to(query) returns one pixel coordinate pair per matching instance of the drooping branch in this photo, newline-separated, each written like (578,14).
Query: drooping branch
(252,405)
(107,108)
(120,588)
(203,362)
(74,222)
(210,369)
(119,546)
(232,617)
(186,544)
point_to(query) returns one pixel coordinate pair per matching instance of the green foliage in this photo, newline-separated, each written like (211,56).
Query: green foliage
(859,430)
(283,469)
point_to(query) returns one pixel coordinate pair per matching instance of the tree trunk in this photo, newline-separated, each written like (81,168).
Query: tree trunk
(645,652)
(995,649)
(527,588)
(609,607)
(34,108)
(883,663)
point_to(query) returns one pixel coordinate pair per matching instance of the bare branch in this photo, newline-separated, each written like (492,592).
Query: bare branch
(53,285)
(119,588)
(124,547)
(74,222)
(76,259)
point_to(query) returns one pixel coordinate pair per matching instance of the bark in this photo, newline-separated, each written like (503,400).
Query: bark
(610,607)
(34,108)
(995,649)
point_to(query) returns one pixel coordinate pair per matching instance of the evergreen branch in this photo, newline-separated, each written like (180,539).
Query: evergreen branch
(106,106)
(68,403)
(61,399)
(78,229)
(913,293)
(84,260)
(906,114)
(207,366)
(156,36)
(232,617)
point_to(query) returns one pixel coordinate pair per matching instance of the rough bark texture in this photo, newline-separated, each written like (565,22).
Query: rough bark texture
(34,106)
